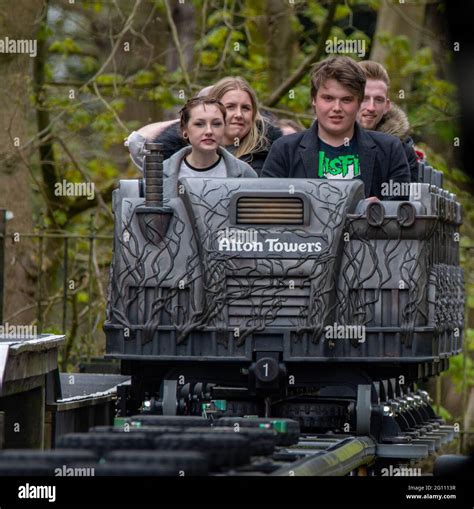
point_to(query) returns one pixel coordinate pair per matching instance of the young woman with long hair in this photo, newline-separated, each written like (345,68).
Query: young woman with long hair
(247,134)
(202,125)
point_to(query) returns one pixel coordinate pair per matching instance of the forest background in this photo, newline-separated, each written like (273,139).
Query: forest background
(104,68)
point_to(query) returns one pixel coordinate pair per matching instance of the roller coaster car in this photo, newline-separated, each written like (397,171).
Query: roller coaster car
(289,297)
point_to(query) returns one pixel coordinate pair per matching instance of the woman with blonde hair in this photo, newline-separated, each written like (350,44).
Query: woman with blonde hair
(246,130)
(247,135)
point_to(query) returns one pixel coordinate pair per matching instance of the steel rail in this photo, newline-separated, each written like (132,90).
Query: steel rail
(338,459)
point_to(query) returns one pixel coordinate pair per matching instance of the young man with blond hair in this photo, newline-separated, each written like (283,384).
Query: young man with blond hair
(335,146)
(379,114)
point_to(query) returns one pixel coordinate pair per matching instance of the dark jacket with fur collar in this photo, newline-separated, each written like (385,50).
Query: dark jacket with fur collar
(395,122)
(173,141)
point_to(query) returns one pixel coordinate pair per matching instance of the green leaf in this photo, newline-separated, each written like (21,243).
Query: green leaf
(82,297)
(342,11)
(89,64)
(109,79)
(143,77)
(44,32)
(209,58)
(60,216)
(102,169)
(444,414)
(65,46)
(316,12)
(217,37)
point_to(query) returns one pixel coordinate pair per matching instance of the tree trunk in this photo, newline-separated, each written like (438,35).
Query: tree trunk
(184,17)
(468,418)
(47,161)
(396,18)
(19,21)
(279,37)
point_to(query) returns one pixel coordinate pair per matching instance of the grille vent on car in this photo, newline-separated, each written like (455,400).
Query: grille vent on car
(271,300)
(270,210)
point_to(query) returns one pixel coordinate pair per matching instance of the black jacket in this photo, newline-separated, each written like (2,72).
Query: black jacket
(173,142)
(395,122)
(408,147)
(381,157)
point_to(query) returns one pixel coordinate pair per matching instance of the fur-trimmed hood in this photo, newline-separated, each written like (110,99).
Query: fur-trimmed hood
(394,122)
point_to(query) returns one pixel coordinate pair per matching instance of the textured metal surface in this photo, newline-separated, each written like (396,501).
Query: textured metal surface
(184,295)
(402,451)
(82,385)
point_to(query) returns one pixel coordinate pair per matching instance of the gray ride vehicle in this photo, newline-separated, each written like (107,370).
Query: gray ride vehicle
(291,298)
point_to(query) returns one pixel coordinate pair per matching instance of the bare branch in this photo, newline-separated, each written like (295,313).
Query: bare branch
(122,32)
(288,113)
(417,26)
(97,273)
(308,61)
(82,204)
(32,306)
(107,105)
(40,185)
(174,33)
(197,68)
(230,28)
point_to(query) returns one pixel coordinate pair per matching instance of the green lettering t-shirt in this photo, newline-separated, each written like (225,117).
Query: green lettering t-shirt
(338,162)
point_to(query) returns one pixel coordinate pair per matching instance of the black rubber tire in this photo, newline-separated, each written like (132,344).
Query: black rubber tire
(220,449)
(290,437)
(149,431)
(170,420)
(20,468)
(262,442)
(105,429)
(53,457)
(40,467)
(134,470)
(102,443)
(454,465)
(187,463)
